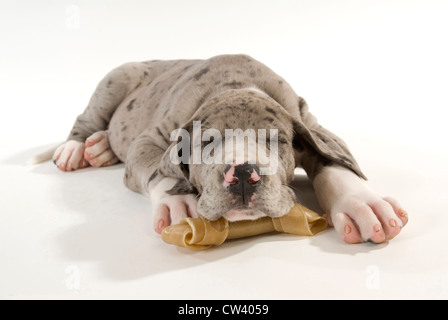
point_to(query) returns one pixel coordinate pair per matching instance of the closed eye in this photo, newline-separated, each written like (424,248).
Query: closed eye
(282,140)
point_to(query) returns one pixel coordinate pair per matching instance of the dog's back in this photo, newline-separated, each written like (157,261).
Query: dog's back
(168,93)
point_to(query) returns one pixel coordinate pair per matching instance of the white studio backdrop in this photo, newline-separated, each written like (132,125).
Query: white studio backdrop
(375,67)
(373,71)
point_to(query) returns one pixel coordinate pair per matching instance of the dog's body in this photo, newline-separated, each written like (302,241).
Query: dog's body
(137,106)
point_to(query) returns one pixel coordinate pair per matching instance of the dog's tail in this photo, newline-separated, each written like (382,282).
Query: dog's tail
(44,156)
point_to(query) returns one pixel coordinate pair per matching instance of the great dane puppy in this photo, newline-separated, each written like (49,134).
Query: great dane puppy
(135,114)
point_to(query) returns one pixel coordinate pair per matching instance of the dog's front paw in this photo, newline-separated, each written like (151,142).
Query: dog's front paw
(172,209)
(97,150)
(70,156)
(367,217)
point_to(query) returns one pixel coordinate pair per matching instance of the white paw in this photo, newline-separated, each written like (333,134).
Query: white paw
(172,209)
(97,150)
(365,216)
(70,156)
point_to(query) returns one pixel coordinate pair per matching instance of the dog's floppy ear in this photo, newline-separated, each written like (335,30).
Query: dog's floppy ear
(176,159)
(311,137)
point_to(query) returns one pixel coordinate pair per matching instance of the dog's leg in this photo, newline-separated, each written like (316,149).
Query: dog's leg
(357,213)
(142,174)
(110,92)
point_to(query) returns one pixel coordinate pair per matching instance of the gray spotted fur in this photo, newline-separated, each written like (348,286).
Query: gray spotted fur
(141,103)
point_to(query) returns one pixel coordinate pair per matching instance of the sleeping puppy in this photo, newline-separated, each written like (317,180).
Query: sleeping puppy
(221,138)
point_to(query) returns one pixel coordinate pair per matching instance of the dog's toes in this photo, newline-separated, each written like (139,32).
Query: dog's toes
(168,214)
(107,158)
(375,218)
(398,209)
(161,218)
(97,150)
(69,156)
(345,227)
(389,221)
(173,209)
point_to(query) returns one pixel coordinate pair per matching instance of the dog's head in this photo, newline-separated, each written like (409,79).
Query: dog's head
(237,153)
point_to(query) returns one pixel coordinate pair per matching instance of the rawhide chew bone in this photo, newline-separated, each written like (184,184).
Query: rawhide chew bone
(200,233)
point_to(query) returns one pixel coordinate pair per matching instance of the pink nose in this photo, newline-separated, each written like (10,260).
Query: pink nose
(229,175)
(254,177)
(244,172)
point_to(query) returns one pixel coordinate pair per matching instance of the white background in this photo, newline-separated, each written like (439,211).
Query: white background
(374,72)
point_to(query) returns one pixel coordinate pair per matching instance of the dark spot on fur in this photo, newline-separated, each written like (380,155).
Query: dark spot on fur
(109,83)
(302,105)
(75,134)
(199,75)
(280,82)
(234,84)
(252,74)
(270,119)
(161,135)
(145,73)
(154,174)
(138,85)
(270,110)
(131,105)
(124,128)
(217,83)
